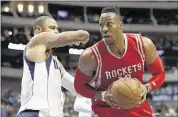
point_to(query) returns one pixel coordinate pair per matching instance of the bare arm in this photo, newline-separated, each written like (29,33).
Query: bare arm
(150,50)
(86,67)
(36,49)
(154,64)
(51,40)
(84,73)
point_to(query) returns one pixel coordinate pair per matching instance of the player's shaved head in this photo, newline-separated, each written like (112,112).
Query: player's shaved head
(114,10)
(110,9)
(39,21)
(45,24)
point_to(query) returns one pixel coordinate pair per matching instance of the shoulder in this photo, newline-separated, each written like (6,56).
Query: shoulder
(40,39)
(87,63)
(131,35)
(147,43)
(36,49)
(150,50)
(87,56)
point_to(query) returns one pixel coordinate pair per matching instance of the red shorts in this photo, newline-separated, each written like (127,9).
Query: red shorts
(101,109)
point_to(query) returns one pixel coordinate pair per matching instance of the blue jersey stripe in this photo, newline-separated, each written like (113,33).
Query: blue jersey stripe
(48,62)
(31,66)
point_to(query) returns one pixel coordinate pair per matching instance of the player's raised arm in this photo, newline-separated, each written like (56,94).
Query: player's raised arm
(154,65)
(46,37)
(51,39)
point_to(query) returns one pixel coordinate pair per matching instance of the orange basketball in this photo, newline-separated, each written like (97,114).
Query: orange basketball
(126,92)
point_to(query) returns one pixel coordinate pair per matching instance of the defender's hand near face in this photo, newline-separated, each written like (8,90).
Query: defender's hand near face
(108,97)
(84,36)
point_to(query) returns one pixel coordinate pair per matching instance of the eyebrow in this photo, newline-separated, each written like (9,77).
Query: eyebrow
(53,26)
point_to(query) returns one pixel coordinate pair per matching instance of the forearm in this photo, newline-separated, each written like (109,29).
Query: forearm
(156,81)
(158,74)
(82,87)
(69,37)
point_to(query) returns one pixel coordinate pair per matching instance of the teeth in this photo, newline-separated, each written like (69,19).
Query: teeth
(77,44)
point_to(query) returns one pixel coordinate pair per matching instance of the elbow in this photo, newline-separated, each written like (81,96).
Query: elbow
(163,75)
(84,35)
(162,78)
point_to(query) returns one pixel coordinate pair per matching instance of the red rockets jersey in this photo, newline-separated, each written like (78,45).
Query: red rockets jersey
(111,67)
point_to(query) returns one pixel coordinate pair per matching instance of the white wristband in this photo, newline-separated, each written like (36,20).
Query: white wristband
(102,95)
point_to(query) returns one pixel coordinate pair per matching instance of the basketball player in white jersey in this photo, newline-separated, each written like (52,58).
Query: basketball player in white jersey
(42,72)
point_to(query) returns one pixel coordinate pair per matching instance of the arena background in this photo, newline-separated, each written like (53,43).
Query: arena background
(156,20)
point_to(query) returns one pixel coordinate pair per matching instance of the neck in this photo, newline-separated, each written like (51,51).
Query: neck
(118,45)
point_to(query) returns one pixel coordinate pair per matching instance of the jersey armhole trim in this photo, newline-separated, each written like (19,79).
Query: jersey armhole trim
(142,45)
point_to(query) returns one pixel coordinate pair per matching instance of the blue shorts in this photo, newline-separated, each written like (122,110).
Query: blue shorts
(29,113)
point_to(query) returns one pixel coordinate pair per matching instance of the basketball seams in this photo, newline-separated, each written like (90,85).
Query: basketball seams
(134,103)
(129,96)
(122,94)
(129,88)
(138,86)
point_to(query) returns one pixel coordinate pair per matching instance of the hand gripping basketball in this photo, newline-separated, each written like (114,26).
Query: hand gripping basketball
(107,97)
(125,92)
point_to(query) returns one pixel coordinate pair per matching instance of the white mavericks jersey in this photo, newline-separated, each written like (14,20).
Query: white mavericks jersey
(41,87)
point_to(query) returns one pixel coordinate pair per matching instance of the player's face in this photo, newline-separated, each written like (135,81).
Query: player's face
(50,25)
(110,25)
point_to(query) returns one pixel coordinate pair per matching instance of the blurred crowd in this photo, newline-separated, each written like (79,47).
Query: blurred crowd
(154,16)
(10,103)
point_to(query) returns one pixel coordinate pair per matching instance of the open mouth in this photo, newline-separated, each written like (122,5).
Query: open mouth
(106,36)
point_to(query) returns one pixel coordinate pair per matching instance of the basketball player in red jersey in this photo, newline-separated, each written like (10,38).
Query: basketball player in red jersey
(117,55)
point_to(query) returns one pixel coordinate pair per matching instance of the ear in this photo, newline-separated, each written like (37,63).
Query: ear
(121,25)
(38,29)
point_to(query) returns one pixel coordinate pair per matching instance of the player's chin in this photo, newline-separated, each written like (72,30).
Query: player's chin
(110,40)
